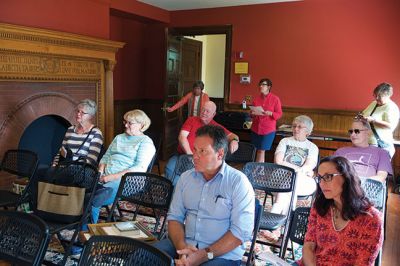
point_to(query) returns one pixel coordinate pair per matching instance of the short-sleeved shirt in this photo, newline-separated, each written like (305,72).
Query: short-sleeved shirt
(192,124)
(209,209)
(265,124)
(297,152)
(367,160)
(358,243)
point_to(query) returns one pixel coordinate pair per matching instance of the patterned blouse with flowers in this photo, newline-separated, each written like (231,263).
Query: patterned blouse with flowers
(358,243)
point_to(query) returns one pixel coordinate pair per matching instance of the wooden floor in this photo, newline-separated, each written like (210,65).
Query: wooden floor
(391,246)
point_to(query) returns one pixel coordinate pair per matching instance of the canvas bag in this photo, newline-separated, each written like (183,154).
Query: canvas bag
(64,201)
(60,198)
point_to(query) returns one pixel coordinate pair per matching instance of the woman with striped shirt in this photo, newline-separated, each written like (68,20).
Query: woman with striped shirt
(82,141)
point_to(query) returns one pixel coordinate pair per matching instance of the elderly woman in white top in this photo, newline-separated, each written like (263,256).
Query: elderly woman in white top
(300,154)
(383,116)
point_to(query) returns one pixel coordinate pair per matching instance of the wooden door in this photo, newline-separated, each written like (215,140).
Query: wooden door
(171,120)
(191,69)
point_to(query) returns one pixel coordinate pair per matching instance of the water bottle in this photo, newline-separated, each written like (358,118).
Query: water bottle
(244,104)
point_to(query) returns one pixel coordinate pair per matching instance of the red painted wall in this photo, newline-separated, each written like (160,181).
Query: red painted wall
(322,54)
(86,17)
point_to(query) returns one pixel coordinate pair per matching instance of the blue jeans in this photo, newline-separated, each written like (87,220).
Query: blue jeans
(167,246)
(105,195)
(170,168)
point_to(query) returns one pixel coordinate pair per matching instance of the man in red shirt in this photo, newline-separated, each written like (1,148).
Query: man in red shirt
(188,133)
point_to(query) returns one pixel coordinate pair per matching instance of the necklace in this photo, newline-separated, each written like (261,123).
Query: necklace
(336,213)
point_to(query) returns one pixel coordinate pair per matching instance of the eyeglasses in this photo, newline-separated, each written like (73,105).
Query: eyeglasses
(129,122)
(80,112)
(356,131)
(298,126)
(325,177)
(263,84)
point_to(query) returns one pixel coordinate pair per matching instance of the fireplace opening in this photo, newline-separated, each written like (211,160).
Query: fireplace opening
(44,137)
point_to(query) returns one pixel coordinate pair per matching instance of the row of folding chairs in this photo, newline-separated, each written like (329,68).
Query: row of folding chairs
(25,238)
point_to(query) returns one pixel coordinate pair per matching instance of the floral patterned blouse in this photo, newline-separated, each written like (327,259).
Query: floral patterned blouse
(358,243)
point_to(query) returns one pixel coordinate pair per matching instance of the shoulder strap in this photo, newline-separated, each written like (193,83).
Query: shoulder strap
(373,127)
(83,142)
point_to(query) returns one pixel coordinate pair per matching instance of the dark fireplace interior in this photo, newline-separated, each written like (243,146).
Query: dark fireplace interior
(44,136)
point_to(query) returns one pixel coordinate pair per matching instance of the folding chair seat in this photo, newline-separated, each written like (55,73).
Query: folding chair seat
(270,178)
(24,238)
(20,163)
(148,191)
(80,175)
(119,250)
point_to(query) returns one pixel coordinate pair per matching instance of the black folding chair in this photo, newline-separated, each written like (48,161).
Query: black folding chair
(80,175)
(245,153)
(269,178)
(119,250)
(298,228)
(20,163)
(184,163)
(376,192)
(23,238)
(157,141)
(148,191)
(257,216)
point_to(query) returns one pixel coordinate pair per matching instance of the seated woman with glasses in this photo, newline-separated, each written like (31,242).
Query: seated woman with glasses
(343,227)
(131,151)
(82,141)
(369,161)
(299,153)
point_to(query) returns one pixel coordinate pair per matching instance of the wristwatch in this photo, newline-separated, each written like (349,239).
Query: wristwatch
(235,139)
(210,254)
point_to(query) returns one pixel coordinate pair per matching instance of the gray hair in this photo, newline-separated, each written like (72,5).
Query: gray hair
(364,122)
(306,120)
(90,106)
(138,116)
(384,89)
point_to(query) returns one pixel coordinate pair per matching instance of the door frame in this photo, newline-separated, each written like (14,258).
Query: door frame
(207,30)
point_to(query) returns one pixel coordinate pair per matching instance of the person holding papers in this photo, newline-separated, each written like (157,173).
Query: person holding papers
(266,110)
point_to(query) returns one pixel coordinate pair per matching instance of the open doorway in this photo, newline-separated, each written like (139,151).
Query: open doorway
(175,87)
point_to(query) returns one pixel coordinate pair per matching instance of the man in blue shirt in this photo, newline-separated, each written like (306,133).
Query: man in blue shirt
(212,211)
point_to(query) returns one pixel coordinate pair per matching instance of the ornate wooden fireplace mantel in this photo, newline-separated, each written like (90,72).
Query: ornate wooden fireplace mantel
(47,72)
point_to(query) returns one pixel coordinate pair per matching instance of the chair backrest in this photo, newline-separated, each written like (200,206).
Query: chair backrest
(156,137)
(270,177)
(244,154)
(375,192)
(145,189)
(118,250)
(22,163)
(298,227)
(23,238)
(69,174)
(184,163)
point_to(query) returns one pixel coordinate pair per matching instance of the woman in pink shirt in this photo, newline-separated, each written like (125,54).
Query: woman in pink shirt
(343,227)
(195,100)
(264,121)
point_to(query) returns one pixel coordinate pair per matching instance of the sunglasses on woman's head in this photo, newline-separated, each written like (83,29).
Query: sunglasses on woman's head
(356,131)
(325,177)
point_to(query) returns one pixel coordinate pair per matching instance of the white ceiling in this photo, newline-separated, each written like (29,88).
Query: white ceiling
(171,5)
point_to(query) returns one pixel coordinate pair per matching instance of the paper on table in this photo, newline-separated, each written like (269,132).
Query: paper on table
(258,110)
(275,260)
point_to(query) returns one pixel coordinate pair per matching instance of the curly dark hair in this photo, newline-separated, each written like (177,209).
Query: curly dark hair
(353,197)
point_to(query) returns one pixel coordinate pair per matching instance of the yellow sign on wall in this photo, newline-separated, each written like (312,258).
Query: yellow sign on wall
(241,67)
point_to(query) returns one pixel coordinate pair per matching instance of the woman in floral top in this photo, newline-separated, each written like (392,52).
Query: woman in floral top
(343,227)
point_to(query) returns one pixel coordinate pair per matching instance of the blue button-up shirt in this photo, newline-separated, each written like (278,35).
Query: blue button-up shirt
(209,209)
